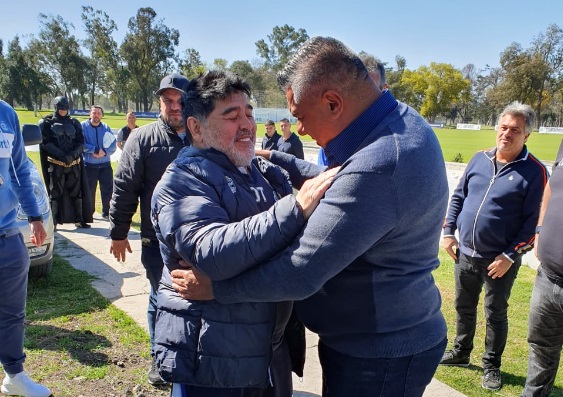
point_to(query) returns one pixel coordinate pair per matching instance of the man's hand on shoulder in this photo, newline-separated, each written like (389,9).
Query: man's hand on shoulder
(118,248)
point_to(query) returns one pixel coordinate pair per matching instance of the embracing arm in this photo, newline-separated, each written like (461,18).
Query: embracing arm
(317,254)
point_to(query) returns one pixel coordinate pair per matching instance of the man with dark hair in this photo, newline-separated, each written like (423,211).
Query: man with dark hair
(495,209)
(140,167)
(99,145)
(545,322)
(15,188)
(362,266)
(61,155)
(223,210)
(270,140)
(289,142)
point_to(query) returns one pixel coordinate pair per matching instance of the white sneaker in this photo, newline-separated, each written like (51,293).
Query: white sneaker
(21,385)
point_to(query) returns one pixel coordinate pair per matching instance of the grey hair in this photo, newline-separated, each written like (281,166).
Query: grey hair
(375,65)
(520,109)
(321,63)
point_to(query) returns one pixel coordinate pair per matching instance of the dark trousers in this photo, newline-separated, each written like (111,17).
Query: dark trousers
(14,266)
(152,262)
(61,180)
(470,276)
(104,174)
(346,376)
(545,335)
(280,372)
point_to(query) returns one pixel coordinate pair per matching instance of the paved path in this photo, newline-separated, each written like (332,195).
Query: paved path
(125,285)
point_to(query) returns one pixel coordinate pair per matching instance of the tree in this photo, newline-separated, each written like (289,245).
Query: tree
(254,77)
(284,42)
(220,64)
(149,50)
(99,28)
(437,88)
(57,53)
(191,65)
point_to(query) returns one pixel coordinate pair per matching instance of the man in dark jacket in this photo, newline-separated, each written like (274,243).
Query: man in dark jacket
(495,209)
(289,142)
(372,241)
(206,203)
(61,151)
(140,167)
(546,311)
(270,140)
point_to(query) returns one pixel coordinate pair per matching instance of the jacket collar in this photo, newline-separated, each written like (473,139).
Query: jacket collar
(522,156)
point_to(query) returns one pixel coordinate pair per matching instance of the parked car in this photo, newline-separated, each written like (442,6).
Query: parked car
(41,257)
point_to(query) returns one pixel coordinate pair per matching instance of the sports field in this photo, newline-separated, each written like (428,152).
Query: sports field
(462,144)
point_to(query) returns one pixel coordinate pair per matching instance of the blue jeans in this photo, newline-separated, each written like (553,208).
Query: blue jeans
(346,376)
(470,276)
(104,174)
(152,262)
(545,335)
(14,266)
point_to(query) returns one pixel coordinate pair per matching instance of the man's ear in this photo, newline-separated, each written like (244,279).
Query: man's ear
(194,127)
(333,103)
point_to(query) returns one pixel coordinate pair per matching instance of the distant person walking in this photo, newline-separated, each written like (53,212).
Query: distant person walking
(124,132)
(99,145)
(15,187)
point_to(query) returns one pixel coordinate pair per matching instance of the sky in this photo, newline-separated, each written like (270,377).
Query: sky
(448,31)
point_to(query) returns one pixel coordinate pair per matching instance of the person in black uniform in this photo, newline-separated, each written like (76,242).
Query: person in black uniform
(62,149)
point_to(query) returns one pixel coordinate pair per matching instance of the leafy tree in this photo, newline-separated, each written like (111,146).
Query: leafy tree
(254,77)
(58,55)
(191,65)
(104,54)
(220,64)
(284,41)
(149,50)
(437,88)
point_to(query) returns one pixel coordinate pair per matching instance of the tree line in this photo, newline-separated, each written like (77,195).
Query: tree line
(99,69)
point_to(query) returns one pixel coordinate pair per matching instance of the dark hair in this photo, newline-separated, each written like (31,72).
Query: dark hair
(269,122)
(203,91)
(374,64)
(285,119)
(321,63)
(97,107)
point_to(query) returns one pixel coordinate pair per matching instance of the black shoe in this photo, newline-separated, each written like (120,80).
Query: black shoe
(492,380)
(82,225)
(451,358)
(154,375)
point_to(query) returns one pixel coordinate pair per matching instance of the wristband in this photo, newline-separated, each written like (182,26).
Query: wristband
(35,218)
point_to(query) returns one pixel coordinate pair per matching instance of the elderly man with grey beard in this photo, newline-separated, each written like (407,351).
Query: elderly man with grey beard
(224,211)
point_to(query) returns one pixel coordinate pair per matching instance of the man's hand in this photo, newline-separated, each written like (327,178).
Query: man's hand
(499,267)
(192,284)
(450,244)
(118,248)
(313,190)
(38,233)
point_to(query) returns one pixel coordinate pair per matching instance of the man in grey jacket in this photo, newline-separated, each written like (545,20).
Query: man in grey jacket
(141,165)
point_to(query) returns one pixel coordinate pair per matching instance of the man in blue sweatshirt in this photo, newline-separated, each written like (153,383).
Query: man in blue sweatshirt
(15,186)
(362,266)
(99,144)
(495,209)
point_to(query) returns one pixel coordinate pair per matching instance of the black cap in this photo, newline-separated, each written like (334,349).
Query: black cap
(175,81)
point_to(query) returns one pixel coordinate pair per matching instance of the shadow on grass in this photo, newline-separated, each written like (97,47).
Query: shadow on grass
(81,345)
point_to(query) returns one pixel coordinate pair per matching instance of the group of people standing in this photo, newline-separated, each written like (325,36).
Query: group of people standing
(238,265)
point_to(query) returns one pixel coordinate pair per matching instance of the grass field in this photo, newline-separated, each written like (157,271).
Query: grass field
(454,142)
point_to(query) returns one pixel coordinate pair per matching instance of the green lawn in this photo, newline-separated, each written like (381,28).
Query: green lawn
(453,142)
